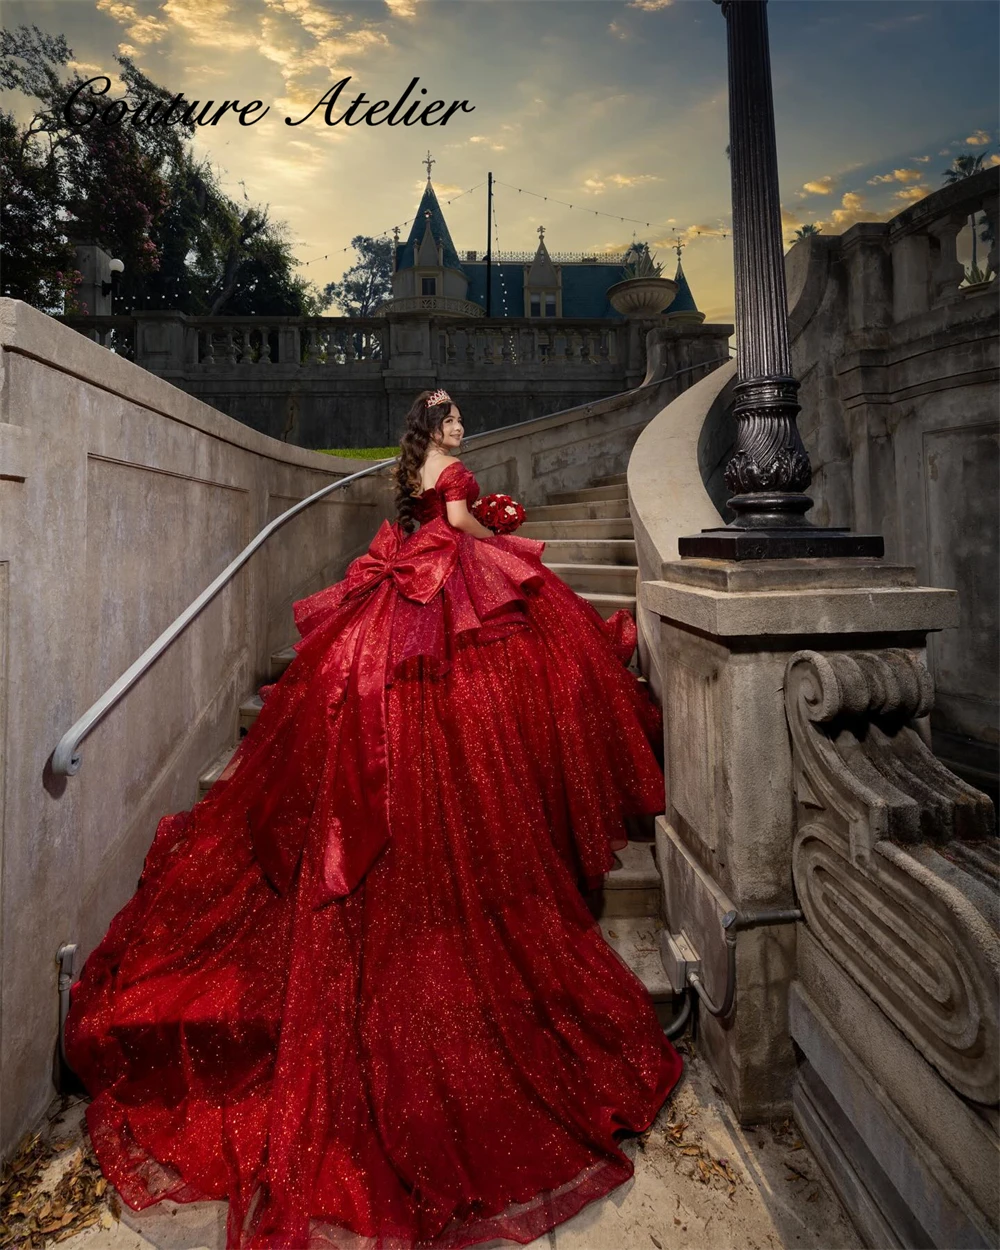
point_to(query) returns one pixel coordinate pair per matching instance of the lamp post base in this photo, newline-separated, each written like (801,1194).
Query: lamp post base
(730,543)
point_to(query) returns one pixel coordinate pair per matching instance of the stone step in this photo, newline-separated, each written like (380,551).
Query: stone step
(632,888)
(579,511)
(280,660)
(601,578)
(610,479)
(590,551)
(590,494)
(606,527)
(608,604)
(635,940)
(249,711)
(214,771)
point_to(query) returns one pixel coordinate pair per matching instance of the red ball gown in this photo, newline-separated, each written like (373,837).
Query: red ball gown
(358,992)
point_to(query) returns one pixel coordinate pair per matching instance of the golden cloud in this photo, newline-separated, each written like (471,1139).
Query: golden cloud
(978,138)
(596,185)
(650,6)
(402,8)
(910,194)
(488,142)
(898,175)
(994,159)
(138,26)
(820,186)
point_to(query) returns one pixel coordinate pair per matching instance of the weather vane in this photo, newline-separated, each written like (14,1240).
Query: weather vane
(429,161)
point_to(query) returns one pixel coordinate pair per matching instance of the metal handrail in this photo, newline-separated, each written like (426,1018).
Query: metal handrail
(66,759)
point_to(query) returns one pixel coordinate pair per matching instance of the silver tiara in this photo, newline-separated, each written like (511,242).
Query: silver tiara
(440,396)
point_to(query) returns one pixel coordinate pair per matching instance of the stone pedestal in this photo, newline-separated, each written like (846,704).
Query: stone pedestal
(726,633)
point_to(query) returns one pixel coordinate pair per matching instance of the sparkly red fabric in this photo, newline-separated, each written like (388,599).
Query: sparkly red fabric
(358,991)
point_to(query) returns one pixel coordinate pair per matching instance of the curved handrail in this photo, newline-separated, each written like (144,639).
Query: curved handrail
(66,759)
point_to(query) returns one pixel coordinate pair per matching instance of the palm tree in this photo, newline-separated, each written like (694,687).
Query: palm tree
(803,232)
(964,166)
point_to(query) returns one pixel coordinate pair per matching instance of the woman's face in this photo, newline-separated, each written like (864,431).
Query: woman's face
(449,437)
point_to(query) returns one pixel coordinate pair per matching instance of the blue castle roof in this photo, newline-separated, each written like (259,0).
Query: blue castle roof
(683,301)
(584,289)
(405,254)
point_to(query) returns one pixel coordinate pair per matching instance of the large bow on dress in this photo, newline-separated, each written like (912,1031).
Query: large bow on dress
(338,735)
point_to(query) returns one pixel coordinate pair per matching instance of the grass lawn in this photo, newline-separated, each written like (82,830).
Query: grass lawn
(361,453)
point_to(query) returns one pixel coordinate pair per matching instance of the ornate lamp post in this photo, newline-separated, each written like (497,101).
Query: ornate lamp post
(769,471)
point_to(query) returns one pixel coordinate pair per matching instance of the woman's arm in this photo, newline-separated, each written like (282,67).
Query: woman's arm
(460,518)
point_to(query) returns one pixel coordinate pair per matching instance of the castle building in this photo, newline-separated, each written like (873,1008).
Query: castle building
(431,277)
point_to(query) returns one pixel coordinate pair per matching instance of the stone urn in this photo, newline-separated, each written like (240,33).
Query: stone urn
(642,297)
(977,288)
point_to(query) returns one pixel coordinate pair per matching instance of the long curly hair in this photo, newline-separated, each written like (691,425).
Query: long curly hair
(422,421)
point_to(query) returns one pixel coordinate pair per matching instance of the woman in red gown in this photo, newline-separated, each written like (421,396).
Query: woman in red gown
(358,991)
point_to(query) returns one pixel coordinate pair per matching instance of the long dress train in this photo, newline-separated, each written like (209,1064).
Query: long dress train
(358,991)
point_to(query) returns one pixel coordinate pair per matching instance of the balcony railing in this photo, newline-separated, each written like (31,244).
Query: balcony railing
(524,341)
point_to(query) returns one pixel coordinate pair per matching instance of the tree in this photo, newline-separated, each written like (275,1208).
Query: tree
(803,232)
(367,283)
(964,166)
(140,192)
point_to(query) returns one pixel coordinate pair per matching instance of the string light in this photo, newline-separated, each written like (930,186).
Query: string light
(551,199)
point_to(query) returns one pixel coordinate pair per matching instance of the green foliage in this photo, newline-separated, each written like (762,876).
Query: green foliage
(361,453)
(803,232)
(367,283)
(640,264)
(137,190)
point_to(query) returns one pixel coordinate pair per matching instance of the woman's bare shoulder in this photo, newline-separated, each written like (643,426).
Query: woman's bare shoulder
(433,467)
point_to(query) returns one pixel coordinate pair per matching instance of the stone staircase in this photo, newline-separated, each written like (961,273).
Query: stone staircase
(589,543)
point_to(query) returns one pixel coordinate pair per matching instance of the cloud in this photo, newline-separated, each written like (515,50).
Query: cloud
(619,32)
(897,23)
(596,184)
(139,27)
(910,194)
(650,6)
(994,158)
(820,186)
(897,175)
(922,159)
(486,141)
(853,208)
(978,138)
(402,8)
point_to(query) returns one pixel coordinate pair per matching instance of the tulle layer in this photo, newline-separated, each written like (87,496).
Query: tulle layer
(365,1001)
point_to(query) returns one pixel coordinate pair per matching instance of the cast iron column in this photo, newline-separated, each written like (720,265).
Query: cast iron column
(769,470)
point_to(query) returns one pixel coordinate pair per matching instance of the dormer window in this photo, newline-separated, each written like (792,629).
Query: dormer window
(542,303)
(428,286)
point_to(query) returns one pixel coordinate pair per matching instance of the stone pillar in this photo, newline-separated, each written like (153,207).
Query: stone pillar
(94,263)
(726,632)
(160,342)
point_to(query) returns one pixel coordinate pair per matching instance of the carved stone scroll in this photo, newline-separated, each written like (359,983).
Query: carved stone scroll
(895,859)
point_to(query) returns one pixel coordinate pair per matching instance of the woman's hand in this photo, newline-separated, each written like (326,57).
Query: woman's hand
(460,518)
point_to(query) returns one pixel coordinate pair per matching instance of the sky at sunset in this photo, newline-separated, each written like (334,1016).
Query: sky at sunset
(618,106)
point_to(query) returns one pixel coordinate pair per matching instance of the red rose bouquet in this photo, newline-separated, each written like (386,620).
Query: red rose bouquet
(498,513)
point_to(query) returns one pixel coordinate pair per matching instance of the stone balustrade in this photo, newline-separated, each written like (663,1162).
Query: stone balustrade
(520,341)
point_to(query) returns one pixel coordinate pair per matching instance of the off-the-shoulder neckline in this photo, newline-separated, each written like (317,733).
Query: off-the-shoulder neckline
(455,463)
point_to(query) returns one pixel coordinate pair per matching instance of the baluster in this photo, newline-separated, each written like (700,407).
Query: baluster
(230,346)
(308,334)
(449,346)
(209,358)
(246,352)
(603,346)
(506,355)
(567,345)
(585,346)
(470,346)
(265,345)
(350,351)
(488,347)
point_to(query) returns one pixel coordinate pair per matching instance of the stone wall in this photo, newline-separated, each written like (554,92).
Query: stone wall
(121,499)
(900,398)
